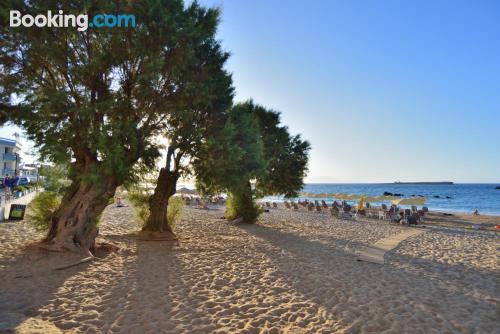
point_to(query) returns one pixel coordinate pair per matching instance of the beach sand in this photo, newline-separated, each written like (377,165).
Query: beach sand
(292,272)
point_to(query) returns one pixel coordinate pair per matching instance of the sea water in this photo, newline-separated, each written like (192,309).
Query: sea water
(440,197)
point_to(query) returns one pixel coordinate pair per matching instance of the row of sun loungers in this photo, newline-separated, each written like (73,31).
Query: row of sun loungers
(347,212)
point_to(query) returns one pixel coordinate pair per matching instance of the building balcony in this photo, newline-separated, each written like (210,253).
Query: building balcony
(7,171)
(9,157)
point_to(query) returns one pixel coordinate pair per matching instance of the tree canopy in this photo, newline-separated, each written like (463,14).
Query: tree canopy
(97,98)
(253,156)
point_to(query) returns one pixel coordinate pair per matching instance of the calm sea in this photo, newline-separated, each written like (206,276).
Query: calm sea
(462,197)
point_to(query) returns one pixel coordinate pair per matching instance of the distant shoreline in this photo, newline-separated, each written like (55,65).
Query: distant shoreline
(442,182)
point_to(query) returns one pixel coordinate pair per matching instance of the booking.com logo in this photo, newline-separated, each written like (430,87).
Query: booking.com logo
(62,20)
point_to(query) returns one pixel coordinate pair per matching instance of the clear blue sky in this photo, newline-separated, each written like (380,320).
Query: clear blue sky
(383,90)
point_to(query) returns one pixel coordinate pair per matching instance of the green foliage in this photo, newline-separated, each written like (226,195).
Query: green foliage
(98,97)
(233,158)
(54,178)
(139,197)
(41,209)
(240,204)
(174,210)
(18,189)
(253,147)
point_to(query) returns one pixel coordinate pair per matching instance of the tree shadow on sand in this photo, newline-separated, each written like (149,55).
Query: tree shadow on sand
(29,282)
(367,296)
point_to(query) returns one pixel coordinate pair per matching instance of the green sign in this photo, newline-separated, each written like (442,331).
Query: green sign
(17,211)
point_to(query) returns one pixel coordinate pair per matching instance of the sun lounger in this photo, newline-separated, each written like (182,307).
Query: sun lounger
(347,216)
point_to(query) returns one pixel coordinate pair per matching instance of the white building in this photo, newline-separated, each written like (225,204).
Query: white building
(10,159)
(30,171)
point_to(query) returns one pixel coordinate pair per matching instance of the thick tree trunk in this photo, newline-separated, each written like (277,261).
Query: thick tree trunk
(158,203)
(74,225)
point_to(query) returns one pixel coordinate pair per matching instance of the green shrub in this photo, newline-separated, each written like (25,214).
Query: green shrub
(174,210)
(19,189)
(139,197)
(41,209)
(241,206)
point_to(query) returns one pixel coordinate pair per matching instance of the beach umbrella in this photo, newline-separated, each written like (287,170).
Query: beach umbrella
(410,201)
(373,198)
(361,204)
(343,196)
(356,196)
(186,191)
(389,198)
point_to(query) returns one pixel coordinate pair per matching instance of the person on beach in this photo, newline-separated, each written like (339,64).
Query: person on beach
(119,203)
(476,213)
(7,184)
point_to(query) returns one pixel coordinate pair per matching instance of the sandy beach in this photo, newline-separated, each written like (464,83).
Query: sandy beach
(292,272)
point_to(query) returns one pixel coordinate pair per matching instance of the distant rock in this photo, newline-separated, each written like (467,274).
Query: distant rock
(497,187)
(387,193)
(436,196)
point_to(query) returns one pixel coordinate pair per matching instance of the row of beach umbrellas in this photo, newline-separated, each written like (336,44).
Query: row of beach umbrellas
(366,198)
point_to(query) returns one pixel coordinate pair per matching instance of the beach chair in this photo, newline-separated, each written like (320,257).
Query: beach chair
(391,214)
(347,213)
(334,211)
(287,205)
(268,205)
(275,205)
(323,203)
(310,207)
(384,207)
(295,206)
(318,208)
(414,209)
(425,209)
(421,215)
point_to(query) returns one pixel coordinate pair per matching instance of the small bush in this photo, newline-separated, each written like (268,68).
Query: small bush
(140,201)
(174,210)
(41,209)
(241,206)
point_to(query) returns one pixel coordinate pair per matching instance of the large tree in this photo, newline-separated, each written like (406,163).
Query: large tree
(189,128)
(253,157)
(97,98)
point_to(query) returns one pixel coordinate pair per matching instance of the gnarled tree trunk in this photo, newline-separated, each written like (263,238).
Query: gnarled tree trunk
(158,202)
(157,224)
(74,225)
